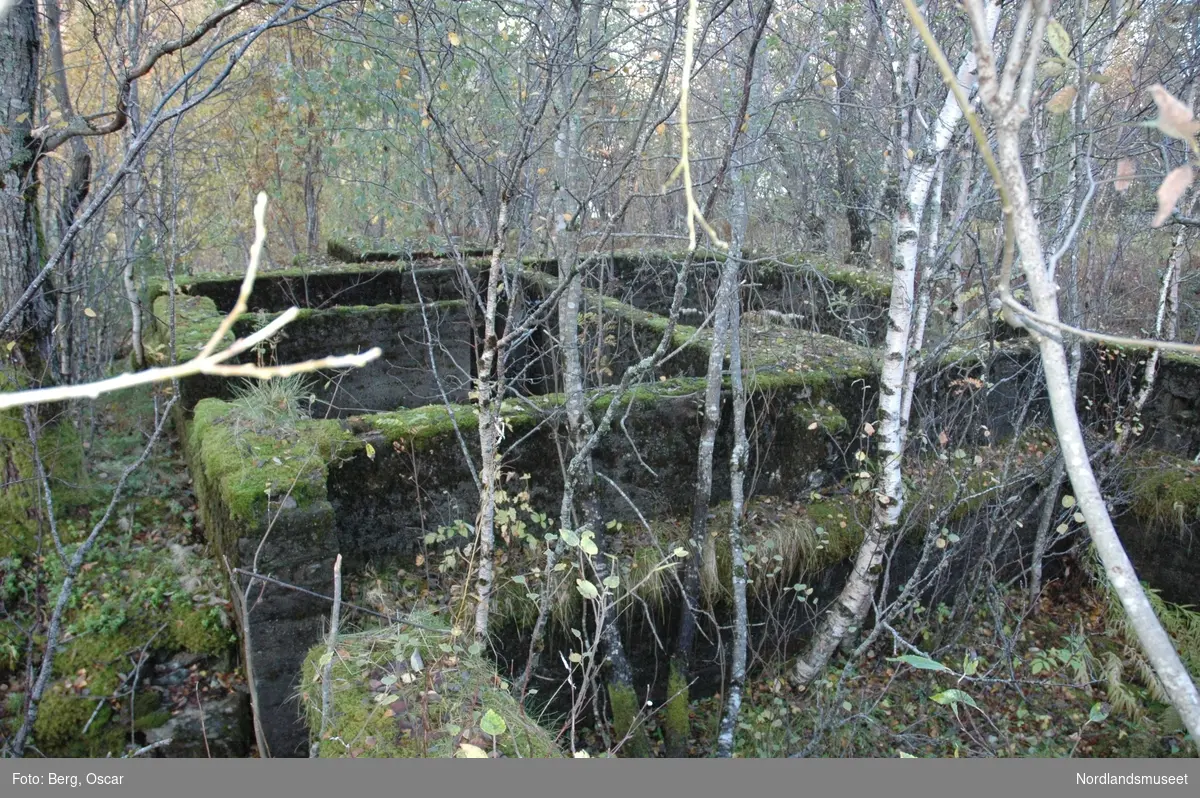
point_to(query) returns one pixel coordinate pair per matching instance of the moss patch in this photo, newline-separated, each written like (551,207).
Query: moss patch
(623,703)
(1165,491)
(196,320)
(248,464)
(61,719)
(21,515)
(677,722)
(406,692)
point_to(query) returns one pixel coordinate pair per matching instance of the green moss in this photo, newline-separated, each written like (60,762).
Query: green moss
(196,320)
(1165,491)
(247,464)
(361,311)
(381,707)
(151,720)
(677,722)
(838,528)
(781,357)
(201,630)
(781,542)
(58,731)
(624,705)
(21,500)
(422,424)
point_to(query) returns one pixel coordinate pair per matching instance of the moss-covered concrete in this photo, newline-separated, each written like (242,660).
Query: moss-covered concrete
(262,496)
(406,692)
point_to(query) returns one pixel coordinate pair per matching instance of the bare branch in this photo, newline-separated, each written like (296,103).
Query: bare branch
(207,362)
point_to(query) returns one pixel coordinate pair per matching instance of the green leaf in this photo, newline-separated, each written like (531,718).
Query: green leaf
(492,724)
(1060,40)
(1052,68)
(906,755)
(520,580)
(921,663)
(586,589)
(1098,714)
(612,582)
(1068,502)
(569,537)
(954,697)
(588,545)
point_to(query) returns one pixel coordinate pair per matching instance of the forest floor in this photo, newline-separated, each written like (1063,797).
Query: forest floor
(1070,686)
(148,632)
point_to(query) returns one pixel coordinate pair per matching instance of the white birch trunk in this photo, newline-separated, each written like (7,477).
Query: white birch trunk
(1008,103)
(849,609)
(490,393)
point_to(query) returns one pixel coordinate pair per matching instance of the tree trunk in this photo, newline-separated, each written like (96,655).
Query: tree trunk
(491,427)
(850,608)
(1008,103)
(20,247)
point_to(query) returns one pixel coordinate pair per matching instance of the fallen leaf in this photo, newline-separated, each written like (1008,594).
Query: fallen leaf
(454,38)
(468,751)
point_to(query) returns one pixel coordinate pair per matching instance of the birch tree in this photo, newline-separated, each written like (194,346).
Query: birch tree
(1007,96)
(850,608)
(727,296)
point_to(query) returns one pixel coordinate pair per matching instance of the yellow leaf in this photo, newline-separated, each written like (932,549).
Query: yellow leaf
(1060,40)
(1125,170)
(1172,188)
(468,751)
(1062,100)
(454,38)
(370,452)
(91,314)
(426,122)
(661,129)
(402,19)
(1174,118)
